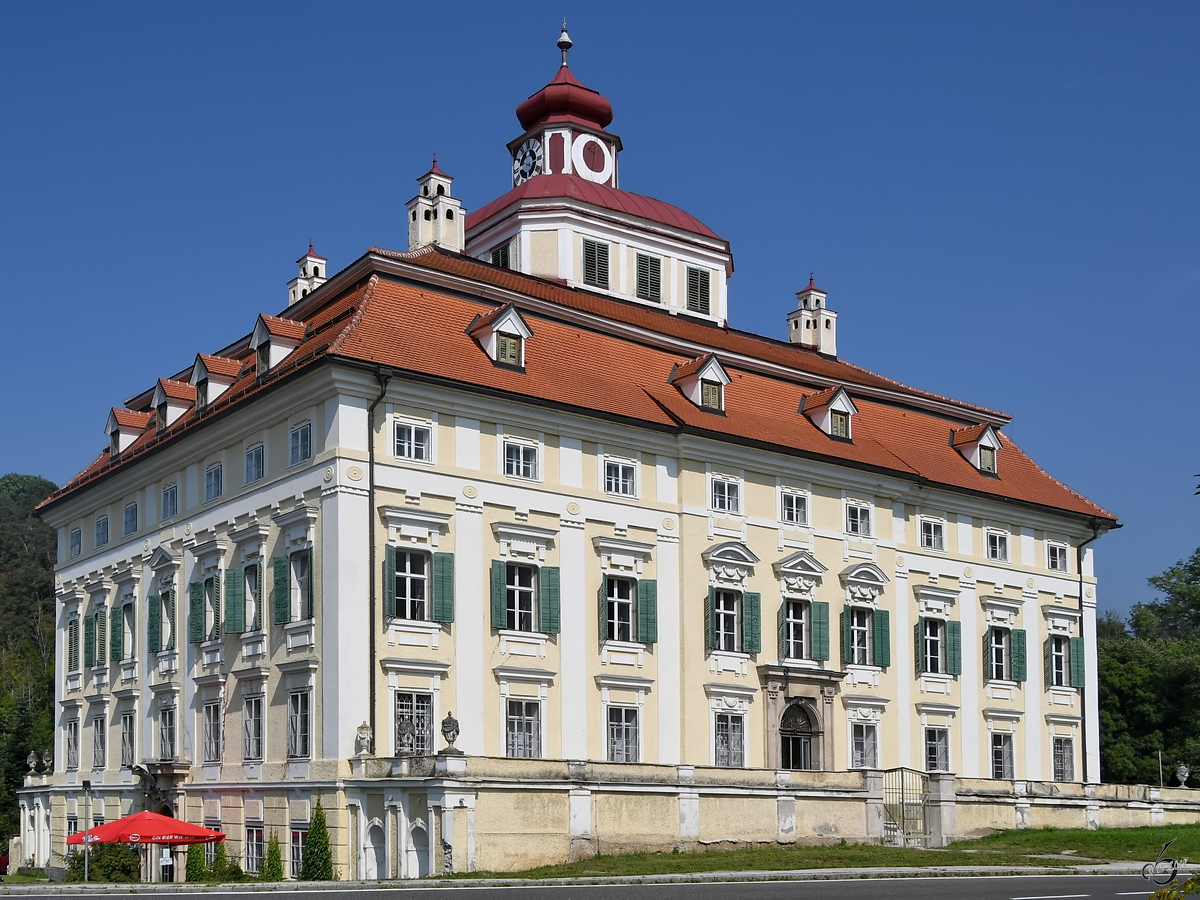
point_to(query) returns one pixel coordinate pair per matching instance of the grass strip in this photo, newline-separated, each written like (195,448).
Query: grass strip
(1104,843)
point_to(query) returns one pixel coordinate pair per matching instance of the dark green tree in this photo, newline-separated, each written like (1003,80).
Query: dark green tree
(318,858)
(272,867)
(196,869)
(107,863)
(1177,614)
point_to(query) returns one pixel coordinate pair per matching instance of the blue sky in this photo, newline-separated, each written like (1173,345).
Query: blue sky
(1000,199)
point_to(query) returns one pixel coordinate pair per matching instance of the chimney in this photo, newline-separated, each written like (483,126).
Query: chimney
(313,274)
(812,324)
(434,217)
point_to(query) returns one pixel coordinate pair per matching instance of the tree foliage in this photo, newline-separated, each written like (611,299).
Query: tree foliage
(318,858)
(107,863)
(272,866)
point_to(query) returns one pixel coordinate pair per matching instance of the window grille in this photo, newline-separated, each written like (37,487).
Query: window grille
(524,729)
(622,734)
(730,740)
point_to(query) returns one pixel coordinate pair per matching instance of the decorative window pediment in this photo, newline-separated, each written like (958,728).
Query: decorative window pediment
(935,600)
(622,554)
(418,525)
(502,334)
(729,563)
(702,381)
(519,539)
(979,445)
(832,411)
(863,582)
(799,573)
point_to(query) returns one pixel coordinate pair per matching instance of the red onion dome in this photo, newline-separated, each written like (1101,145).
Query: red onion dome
(565,96)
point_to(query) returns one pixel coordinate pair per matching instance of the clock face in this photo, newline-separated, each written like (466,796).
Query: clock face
(527,161)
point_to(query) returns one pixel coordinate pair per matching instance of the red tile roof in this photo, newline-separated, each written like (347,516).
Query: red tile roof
(289,329)
(311,253)
(221,366)
(128,418)
(692,367)
(572,187)
(434,170)
(820,398)
(177,390)
(968,435)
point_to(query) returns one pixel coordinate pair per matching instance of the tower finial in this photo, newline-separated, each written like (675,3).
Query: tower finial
(564,42)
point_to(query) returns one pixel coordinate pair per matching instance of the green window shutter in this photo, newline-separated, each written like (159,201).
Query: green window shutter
(820,630)
(217,625)
(882,620)
(548,599)
(235,601)
(710,621)
(196,612)
(154,625)
(170,620)
(602,608)
(647,611)
(845,621)
(751,622)
(987,654)
(1019,668)
(116,632)
(443,587)
(281,590)
(781,622)
(310,608)
(389,581)
(89,641)
(918,655)
(1047,663)
(954,647)
(1078,671)
(499,594)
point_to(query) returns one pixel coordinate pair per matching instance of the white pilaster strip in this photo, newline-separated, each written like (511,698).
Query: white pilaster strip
(1091,693)
(670,713)
(1035,692)
(906,666)
(573,688)
(969,719)
(470,618)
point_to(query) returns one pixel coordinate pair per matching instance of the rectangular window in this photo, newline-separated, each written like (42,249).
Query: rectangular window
(932,645)
(414,723)
(622,734)
(797,633)
(730,740)
(937,750)
(301,444)
(508,349)
(252,728)
(413,442)
(1002,756)
(296,861)
(254,463)
(521,597)
(839,424)
(500,256)
(102,531)
(710,395)
(170,501)
(213,483)
(210,850)
(73,645)
(166,733)
(301,608)
(858,520)
(620,478)
(649,278)
(1064,759)
(595,264)
(997,546)
(251,579)
(1056,557)
(698,290)
(262,359)
(999,656)
(987,460)
(75,543)
(520,460)
(72,825)
(793,508)
(128,742)
(211,721)
(99,742)
(860,636)
(1060,675)
(201,394)
(254,849)
(129,631)
(726,610)
(412,583)
(73,744)
(524,729)
(725,495)
(619,618)
(168,618)
(131,518)
(932,535)
(864,750)
(298,745)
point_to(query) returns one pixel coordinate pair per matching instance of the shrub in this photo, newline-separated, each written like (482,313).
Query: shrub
(196,869)
(318,860)
(107,863)
(272,865)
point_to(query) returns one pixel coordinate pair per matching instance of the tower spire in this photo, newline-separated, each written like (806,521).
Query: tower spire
(564,42)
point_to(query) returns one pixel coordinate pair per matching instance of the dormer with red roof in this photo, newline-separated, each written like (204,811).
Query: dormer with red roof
(124,426)
(832,411)
(212,376)
(171,400)
(567,219)
(979,445)
(812,323)
(703,381)
(314,272)
(502,334)
(434,216)
(273,339)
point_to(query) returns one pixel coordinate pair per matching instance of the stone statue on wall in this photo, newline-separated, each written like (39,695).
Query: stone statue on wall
(1182,772)
(406,736)
(364,740)
(450,733)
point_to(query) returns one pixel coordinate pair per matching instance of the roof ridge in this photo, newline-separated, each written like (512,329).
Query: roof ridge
(335,345)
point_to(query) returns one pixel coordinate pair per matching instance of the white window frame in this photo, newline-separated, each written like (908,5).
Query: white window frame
(130,507)
(519,343)
(404,602)
(804,623)
(170,490)
(1066,772)
(1063,550)
(300,588)
(613,604)
(254,840)
(1060,660)
(1002,757)
(537,751)
(300,719)
(74,543)
(862,511)
(100,742)
(938,641)
(411,445)
(933,534)
(300,446)
(257,449)
(253,727)
(525,447)
(214,482)
(736,757)
(621,463)
(866,733)
(996,544)
(167,733)
(799,501)
(298,838)
(999,654)
(513,612)
(99,519)
(723,616)
(728,507)
(211,727)
(610,747)
(862,637)
(72,742)
(925,744)
(128,739)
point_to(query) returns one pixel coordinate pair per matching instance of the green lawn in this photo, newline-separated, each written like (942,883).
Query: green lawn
(1106,843)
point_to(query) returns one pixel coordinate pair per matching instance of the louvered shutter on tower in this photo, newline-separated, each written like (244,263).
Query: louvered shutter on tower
(443,587)
(647,611)
(883,637)
(235,601)
(389,581)
(595,263)
(499,594)
(196,612)
(548,599)
(820,630)
(154,623)
(751,622)
(698,290)
(281,590)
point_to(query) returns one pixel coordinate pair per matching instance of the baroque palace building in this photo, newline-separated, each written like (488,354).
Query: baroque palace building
(522,488)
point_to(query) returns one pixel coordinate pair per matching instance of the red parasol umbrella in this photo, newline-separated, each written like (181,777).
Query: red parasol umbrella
(147,828)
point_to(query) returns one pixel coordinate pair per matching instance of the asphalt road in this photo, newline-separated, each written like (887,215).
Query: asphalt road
(1017,887)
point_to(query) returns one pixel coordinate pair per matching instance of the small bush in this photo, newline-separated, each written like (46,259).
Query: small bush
(272,865)
(196,869)
(318,859)
(107,863)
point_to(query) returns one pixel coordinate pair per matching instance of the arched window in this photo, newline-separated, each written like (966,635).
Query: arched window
(414,215)
(449,214)
(797,732)
(441,190)
(316,271)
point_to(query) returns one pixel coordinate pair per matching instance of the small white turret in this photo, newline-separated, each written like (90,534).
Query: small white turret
(434,217)
(813,324)
(313,274)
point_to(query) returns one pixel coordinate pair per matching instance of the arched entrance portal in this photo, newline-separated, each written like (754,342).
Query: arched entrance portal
(799,738)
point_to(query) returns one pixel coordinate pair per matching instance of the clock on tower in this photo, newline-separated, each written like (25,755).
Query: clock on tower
(527,161)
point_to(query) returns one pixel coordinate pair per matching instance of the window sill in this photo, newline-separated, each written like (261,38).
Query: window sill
(523,478)
(1062,696)
(211,653)
(412,460)
(254,643)
(73,682)
(299,634)
(99,675)
(414,633)
(728,661)
(800,662)
(936,683)
(858,675)
(523,643)
(168,662)
(622,653)
(128,670)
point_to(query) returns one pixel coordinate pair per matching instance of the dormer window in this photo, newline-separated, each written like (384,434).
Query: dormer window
(114,444)
(839,423)
(502,334)
(832,411)
(202,394)
(987,460)
(703,381)
(710,395)
(273,339)
(979,445)
(263,359)
(161,416)
(508,349)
